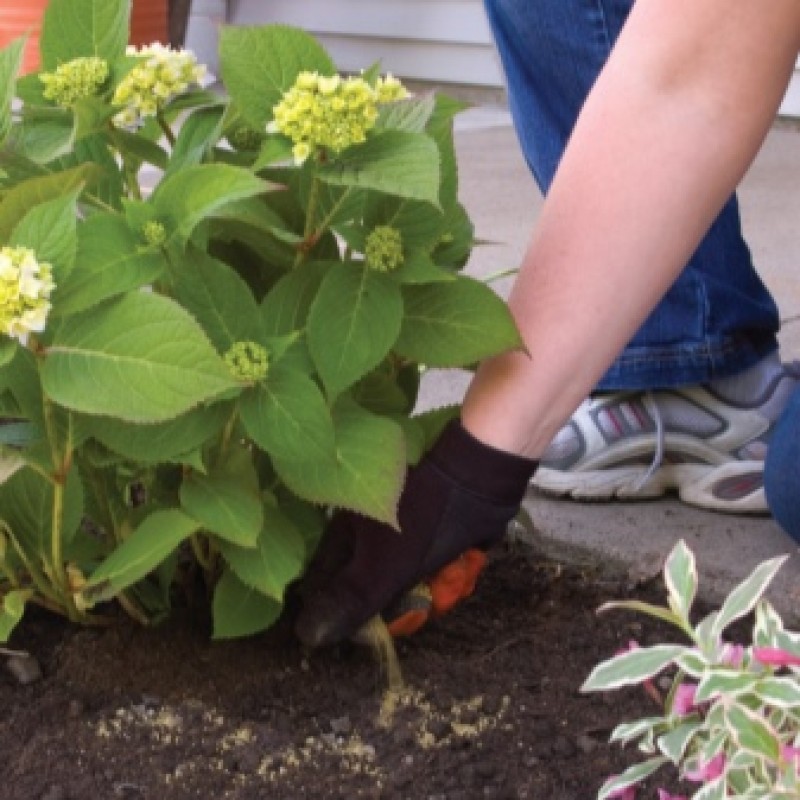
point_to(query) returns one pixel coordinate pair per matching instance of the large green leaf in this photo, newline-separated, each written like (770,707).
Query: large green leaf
(140,358)
(276,560)
(285,308)
(10,62)
(44,134)
(24,196)
(454,324)
(397,162)
(76,28)
(287,416)
(26,505)
(220,301)
(224,505)
(258,64)
(159,442)
(111,260)
(198,191)
(153,541)
(365,475)
(240,610)
(51,230)
(353,323)
(197,137)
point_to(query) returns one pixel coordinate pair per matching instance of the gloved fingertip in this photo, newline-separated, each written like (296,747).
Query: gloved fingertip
(324,621)
(409,623)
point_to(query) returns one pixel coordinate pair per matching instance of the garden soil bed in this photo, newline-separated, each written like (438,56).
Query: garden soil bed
(491,707)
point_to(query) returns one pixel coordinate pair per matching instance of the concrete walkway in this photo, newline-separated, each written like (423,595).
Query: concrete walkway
(634,538)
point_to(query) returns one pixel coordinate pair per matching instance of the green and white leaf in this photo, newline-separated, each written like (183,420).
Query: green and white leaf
(680,577)
(631,667)
(630,777)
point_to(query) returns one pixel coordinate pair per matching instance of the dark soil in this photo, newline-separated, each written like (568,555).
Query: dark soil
(491,709)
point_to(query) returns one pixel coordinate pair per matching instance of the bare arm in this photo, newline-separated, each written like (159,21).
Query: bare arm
(674,121)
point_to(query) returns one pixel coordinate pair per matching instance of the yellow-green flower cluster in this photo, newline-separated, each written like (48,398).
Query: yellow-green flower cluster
(384,249)
(247,361)
(25,287)
(161,74)
(79,78)
(330,112)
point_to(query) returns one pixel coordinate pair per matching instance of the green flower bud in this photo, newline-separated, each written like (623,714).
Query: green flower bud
(154,233)
(245,138)
(384,249)
(247,361)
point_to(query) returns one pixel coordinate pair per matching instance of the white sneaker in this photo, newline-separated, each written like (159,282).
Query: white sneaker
(640,445)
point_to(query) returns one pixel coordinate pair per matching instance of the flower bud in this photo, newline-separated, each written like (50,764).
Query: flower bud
(74,80)
(247,361)
(384,249)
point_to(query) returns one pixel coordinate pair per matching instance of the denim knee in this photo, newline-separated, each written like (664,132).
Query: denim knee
(782,470)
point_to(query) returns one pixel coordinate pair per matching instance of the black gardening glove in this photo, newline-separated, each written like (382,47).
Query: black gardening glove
(461,496)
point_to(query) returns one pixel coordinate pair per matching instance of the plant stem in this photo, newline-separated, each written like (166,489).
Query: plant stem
(332,213)
(310,231)
(166,128)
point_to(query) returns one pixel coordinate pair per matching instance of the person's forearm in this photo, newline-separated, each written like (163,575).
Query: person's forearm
(674,121)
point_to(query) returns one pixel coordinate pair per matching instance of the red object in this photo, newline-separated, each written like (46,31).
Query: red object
(20,17)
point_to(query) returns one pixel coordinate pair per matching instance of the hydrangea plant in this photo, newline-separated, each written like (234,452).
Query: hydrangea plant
(730,725)
(215,309)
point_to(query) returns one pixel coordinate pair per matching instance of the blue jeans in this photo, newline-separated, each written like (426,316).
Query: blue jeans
(718,318)
(782,469)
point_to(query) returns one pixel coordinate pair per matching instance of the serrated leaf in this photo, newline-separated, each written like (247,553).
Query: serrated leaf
(275,561)
(43,134)
(631,667)
(10,62)
(76,28)
(220,301)
(225,506)
(352,324)
(258,64)
(367,472)
(196,192)
(411,114)
(111,260)
(50,229)
(287,416)
(239,610)
(197,137)
(24,196)
(680,577)
(454,324)
(152,541)
(397,162)
(140,358)
(285,308)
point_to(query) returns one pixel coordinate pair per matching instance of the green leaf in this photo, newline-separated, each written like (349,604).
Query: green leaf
(159,442)
(627,732)
(197,137)
(152,541)
(781,692)
(141,358)
(411,114)
(111,260)
(674,743)
(723,681)
(225,506)
(743,599)
(24,196)
(285,308)
(454,324)
(367,472)
(220,301)
(752,733)
(26,504)
(353,323)
(287,416)
(43,134)
(50,229)
(76,28)
(276,560)
(239,610)
(680,577)
(631,667)
(198,191)
(11,612)
(397,162)
(258,64)
(10,62)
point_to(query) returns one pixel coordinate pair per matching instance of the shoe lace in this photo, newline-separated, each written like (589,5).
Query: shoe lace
(658,455)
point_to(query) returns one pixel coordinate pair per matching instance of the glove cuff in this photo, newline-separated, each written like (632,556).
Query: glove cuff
(480,468)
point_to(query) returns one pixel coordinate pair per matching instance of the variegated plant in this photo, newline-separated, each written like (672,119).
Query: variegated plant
(731,719)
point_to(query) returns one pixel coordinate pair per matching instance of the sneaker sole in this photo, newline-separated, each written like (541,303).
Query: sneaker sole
(734,488)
